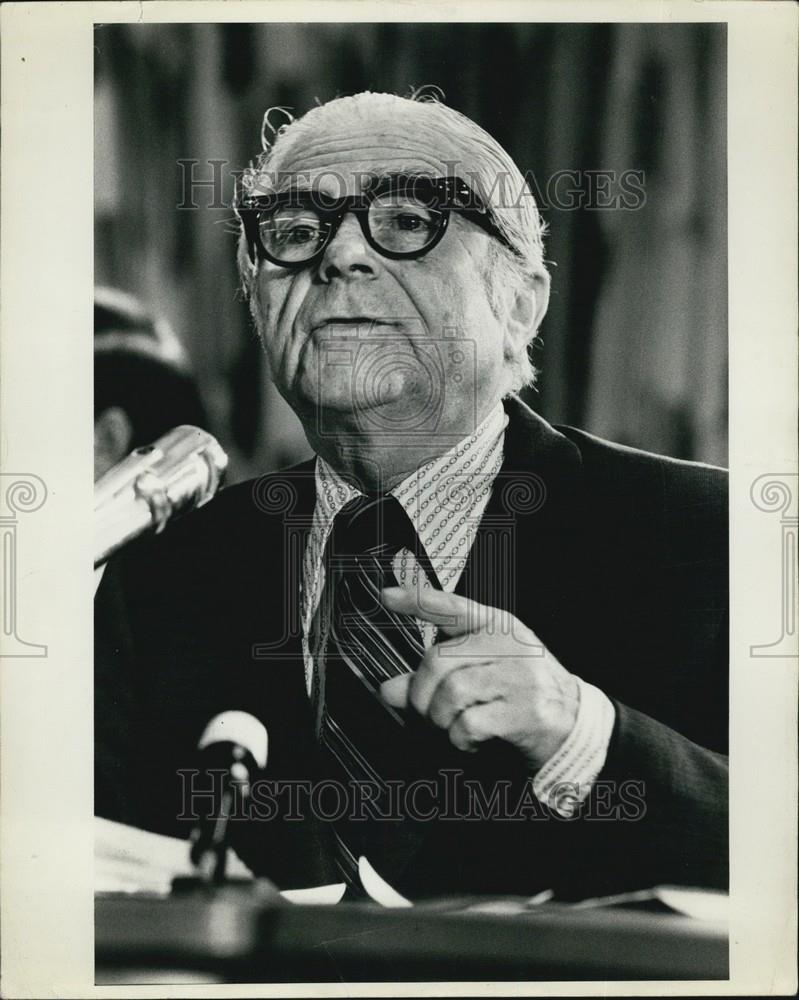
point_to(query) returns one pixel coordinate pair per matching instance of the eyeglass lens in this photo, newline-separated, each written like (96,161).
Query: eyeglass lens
(397,223)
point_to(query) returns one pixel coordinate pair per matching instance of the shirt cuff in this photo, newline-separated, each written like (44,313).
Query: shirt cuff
(566,778)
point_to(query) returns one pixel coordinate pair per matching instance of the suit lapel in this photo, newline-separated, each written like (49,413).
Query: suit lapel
(526,549)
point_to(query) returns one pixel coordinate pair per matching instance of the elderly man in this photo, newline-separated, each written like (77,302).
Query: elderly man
(490,654)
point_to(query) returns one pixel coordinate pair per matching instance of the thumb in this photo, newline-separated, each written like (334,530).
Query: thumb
(394,691)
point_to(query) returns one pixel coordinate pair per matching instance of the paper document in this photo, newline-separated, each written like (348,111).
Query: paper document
(321,895)
(127,859)
(377,888)
(701,904)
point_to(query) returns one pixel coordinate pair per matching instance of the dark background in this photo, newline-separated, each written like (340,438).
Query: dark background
(634,347)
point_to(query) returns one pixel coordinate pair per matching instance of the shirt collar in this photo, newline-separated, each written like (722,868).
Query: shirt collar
(458,480)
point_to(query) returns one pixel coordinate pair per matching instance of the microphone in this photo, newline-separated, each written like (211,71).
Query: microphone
(236,744)
(181,471)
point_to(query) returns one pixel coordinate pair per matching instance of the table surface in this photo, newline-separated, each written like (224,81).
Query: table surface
(251,935)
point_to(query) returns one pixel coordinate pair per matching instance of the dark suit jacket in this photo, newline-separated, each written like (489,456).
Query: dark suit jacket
(617,559)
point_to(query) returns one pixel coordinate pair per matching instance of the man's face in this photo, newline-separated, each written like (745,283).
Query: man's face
(357,340)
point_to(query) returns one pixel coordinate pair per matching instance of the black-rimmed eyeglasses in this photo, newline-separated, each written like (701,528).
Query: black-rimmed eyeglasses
(401,218)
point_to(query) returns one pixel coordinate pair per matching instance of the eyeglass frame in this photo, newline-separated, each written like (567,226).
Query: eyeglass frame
(449,194)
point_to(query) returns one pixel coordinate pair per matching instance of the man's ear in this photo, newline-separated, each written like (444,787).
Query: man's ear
(526,311)
(113,434)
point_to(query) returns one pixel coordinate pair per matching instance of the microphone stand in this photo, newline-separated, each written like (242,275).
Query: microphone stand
(210,839)
(237,744)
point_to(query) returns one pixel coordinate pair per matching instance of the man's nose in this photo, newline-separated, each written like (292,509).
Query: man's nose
(348,255)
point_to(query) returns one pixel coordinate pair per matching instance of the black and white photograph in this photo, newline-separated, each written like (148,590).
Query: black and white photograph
(429,633)
(414,628)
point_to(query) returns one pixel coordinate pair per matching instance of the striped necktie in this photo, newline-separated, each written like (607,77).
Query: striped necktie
(365,744)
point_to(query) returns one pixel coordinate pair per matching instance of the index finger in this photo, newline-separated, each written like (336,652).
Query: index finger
(454,614)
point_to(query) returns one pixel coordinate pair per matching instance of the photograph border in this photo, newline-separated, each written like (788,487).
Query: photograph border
(46,723)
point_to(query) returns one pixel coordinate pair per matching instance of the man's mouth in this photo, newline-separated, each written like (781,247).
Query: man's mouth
(348,321)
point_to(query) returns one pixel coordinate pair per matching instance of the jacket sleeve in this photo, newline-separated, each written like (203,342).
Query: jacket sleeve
(667,801)
(656,617)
